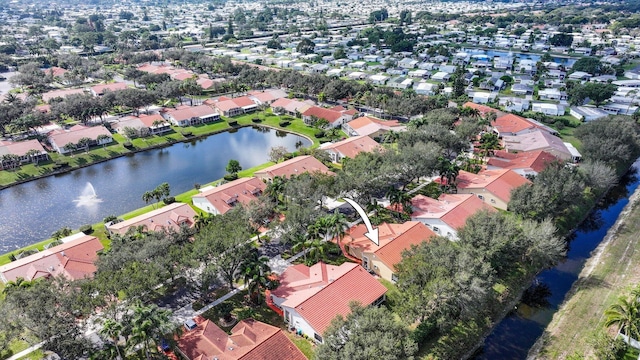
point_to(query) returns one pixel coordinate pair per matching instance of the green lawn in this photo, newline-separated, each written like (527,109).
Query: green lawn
(306,346)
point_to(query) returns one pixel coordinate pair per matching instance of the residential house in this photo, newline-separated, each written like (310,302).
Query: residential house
(99,90)
(186,115)
(99,135)
(155,123)
(491,186)
(548,108)
(482,109)
(73,259)
(514,104)
(296,166)
(552,94)
(393,239)
(523,163)
(587,113)
(510,124)
(310,297)
(538,140)
(336,116)
(425,88)
(172,216)
(267,96)
(234,107)
(483,97)
(408,63)
(579,76)
(350,147)
(249,340)
(23,150)
(289,106)
(445,215)
(63,93)
(220,199)
(521,89)
(371,126)
(143,124)
(378,79)
(441,76)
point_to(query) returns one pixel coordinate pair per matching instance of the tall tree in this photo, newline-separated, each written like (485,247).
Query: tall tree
(366,333)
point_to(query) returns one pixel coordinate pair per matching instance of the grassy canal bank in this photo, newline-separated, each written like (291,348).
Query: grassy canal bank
(612,271)
(116,149)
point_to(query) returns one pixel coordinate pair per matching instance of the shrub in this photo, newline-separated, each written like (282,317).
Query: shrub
(233,122)
(288,156)
(422,331)
(186,133)
(256,120)
(169,200)
(231,177)
(197,305)
(127,144)
(86,229)
(284,123)
(559,125)
(319,134)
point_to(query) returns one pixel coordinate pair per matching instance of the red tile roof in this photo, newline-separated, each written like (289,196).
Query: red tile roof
(187,112)
(20,148)
(249,340)
(512,124)
(295,166)
(77,132)
(73,259)
(333,298)
(366,125)
(46,97)
(290,105)
(534,160)
(148,120)
(170,216)
(268,96)
(452,209)
(498,182)
(483,109)
(100,89)
(353,146)
(55,71)
(393,240)
(321,113)
(224,197)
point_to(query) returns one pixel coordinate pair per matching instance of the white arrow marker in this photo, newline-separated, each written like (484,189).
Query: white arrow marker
(371,233)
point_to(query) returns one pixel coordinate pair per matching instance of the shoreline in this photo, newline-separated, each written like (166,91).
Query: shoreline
(153,147)
(588,268)
(43,242)
(633,198)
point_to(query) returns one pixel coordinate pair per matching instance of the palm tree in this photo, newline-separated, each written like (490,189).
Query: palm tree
(489,142)
(316,249)
(148,325)
(84,143)
(337,226)
(70,147)
(275,188)
(18,283)
(448,171)
(112,329)
(624,314)
(256,270)
(201,221)
(34,155)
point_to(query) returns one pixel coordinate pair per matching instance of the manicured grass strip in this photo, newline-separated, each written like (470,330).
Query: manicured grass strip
(307,348)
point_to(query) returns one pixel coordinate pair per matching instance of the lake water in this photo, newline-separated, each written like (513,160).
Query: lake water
(517,332)
(30,212)
(566,61)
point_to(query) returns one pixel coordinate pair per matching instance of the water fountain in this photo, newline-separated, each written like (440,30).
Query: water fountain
(88,196)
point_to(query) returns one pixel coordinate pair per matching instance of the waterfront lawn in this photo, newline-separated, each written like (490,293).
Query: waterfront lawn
(613,274)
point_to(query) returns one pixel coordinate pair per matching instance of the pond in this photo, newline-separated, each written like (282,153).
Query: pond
(517,332)
(30,212)
(566,61)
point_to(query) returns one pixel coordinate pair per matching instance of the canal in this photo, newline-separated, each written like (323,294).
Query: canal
(30,212)
(518,331)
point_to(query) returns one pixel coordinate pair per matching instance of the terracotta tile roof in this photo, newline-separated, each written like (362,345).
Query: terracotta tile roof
(73,259)
(512,124)
(290,105)
(353,146)
(55,71)
(268,96)
(46,97)
(333,299)
(393,239)
(366,125)
(20,148)
(77,132)
(224,197)
(534,160)
(249,340)
(170,216)
(322,113)
(100,89)
(537,140)
(483,109)
(148,120)
(187,112)
(295,166)
(498,182)
(452,209)
(205,83)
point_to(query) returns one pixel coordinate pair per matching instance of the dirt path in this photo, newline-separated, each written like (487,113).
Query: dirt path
(610,272)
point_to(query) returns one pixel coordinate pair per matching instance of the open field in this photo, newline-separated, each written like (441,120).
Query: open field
(611,272)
